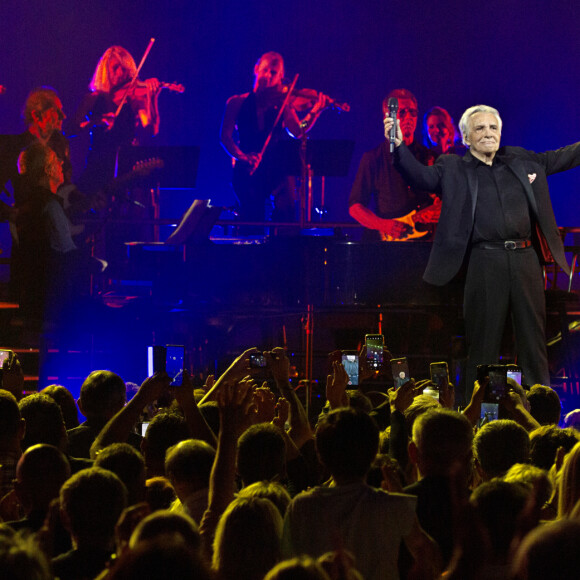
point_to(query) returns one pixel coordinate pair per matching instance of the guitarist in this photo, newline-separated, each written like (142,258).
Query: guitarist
(43,116)
(247,121)
(379,193)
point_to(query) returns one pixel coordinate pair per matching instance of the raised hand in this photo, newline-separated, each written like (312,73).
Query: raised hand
(336,386)
(279,365)
(265,402)
(447,395)
(400,399)
(153,387)
(473,410)
(239,369)
(236,406)
(282,413)
(388,123)
(209,383)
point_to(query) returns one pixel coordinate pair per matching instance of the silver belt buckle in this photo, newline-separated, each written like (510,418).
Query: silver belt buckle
(510,245)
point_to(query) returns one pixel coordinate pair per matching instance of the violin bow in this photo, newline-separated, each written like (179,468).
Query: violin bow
(135,76)
(267,141)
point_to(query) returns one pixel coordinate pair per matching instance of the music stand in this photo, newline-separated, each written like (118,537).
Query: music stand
(178,170)
(196,223)
(329,157)
(309,157)
(326,157)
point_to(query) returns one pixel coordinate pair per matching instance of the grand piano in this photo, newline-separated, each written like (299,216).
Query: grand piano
(288,272)
(313,294)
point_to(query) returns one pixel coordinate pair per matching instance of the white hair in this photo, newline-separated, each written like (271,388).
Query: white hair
(464,121)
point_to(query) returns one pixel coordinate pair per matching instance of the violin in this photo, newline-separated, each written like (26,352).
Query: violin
(301,100)
(305,99)
(138,92)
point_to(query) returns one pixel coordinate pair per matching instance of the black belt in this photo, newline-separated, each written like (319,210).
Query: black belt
(504,245)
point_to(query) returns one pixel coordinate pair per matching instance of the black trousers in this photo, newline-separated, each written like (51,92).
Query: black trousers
(502,283)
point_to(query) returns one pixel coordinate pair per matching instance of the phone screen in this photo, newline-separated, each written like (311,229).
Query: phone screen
(4,355)
(144,428)
(174,364)
(400,368)
(374,344)
(258,361)
(155,359)
(516,375)
(489,413)
(482,372)
(439,375)
(350,364)
(497,386)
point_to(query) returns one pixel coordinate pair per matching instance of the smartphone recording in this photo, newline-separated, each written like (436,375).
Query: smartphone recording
(514,372)
(258,360)
(4,355)
(497,386)
(175,364)
(439,375)
(489,413)
(400,369)
(350,364)
(169,359)
(374,345)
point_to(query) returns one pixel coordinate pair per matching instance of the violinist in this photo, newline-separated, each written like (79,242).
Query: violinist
(112,84)
(248,121)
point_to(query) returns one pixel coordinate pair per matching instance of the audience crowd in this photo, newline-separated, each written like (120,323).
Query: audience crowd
(235,481)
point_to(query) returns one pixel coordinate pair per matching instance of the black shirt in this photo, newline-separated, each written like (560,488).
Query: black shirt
(380,187)
(501,211)
(10,148)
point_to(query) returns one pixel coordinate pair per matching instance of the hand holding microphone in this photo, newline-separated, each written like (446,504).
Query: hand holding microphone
(392,129)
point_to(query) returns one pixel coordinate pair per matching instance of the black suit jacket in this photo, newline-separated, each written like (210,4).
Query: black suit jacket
(454,178)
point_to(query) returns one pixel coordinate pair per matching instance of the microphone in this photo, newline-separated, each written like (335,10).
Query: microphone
(393,110)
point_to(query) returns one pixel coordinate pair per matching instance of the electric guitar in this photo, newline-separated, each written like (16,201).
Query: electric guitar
(423,217)
(76,203)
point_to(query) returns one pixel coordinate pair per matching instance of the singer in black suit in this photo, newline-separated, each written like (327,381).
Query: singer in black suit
(494,202)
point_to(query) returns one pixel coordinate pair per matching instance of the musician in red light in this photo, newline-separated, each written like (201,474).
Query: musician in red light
(43,115)
(114,71)
(111,85)
(248,120)
(380,194)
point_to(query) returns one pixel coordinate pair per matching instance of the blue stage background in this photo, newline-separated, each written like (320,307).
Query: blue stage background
(519,56)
